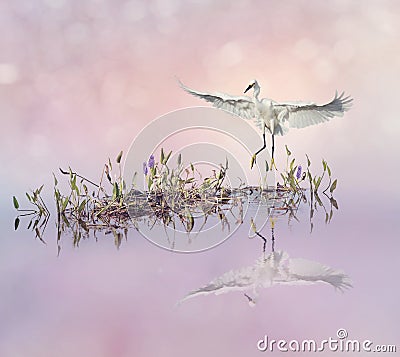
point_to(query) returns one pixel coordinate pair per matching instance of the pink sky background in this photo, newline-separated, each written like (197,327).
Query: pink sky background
(80,79)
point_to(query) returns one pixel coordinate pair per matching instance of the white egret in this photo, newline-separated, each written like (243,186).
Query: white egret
(275,269)
(275,117)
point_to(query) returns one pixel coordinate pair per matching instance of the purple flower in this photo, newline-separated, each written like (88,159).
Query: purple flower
(151,161)
(298,174)
(145,169)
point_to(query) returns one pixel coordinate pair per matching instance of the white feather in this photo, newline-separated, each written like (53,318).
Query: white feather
(285,115)
(277,268)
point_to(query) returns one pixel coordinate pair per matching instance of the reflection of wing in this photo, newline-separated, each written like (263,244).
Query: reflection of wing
(260,274)
(300,115)
(239,280)
(277,268)
(304,271)
(242,106)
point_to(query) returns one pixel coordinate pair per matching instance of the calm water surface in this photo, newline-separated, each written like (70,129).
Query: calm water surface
(97,300)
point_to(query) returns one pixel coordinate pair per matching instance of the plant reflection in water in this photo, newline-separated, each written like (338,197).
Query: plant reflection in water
(177,199)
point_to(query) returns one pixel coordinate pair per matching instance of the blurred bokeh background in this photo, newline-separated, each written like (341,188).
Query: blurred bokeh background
(80,79)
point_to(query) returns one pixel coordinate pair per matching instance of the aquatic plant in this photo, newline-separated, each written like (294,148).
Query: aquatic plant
(176,194)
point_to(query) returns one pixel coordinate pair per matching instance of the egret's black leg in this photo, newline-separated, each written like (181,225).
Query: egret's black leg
(273,150)
(264,146)
(253,159)
(264,240)
(273,145)
(273,239)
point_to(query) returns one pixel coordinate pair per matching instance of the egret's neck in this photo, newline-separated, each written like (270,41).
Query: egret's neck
(256,92)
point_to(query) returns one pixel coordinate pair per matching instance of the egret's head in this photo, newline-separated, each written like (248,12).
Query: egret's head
(252,84)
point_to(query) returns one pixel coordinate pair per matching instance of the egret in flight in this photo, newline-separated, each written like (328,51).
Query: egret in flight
(275,117)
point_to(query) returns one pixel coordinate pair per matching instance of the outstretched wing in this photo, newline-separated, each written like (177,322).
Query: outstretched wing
(304,270)
(300,115)
(234,280)
(242,106)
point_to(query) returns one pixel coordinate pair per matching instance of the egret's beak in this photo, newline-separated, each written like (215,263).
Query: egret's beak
(249,87)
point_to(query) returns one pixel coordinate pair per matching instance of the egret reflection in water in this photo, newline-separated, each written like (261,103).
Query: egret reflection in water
(277,268)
